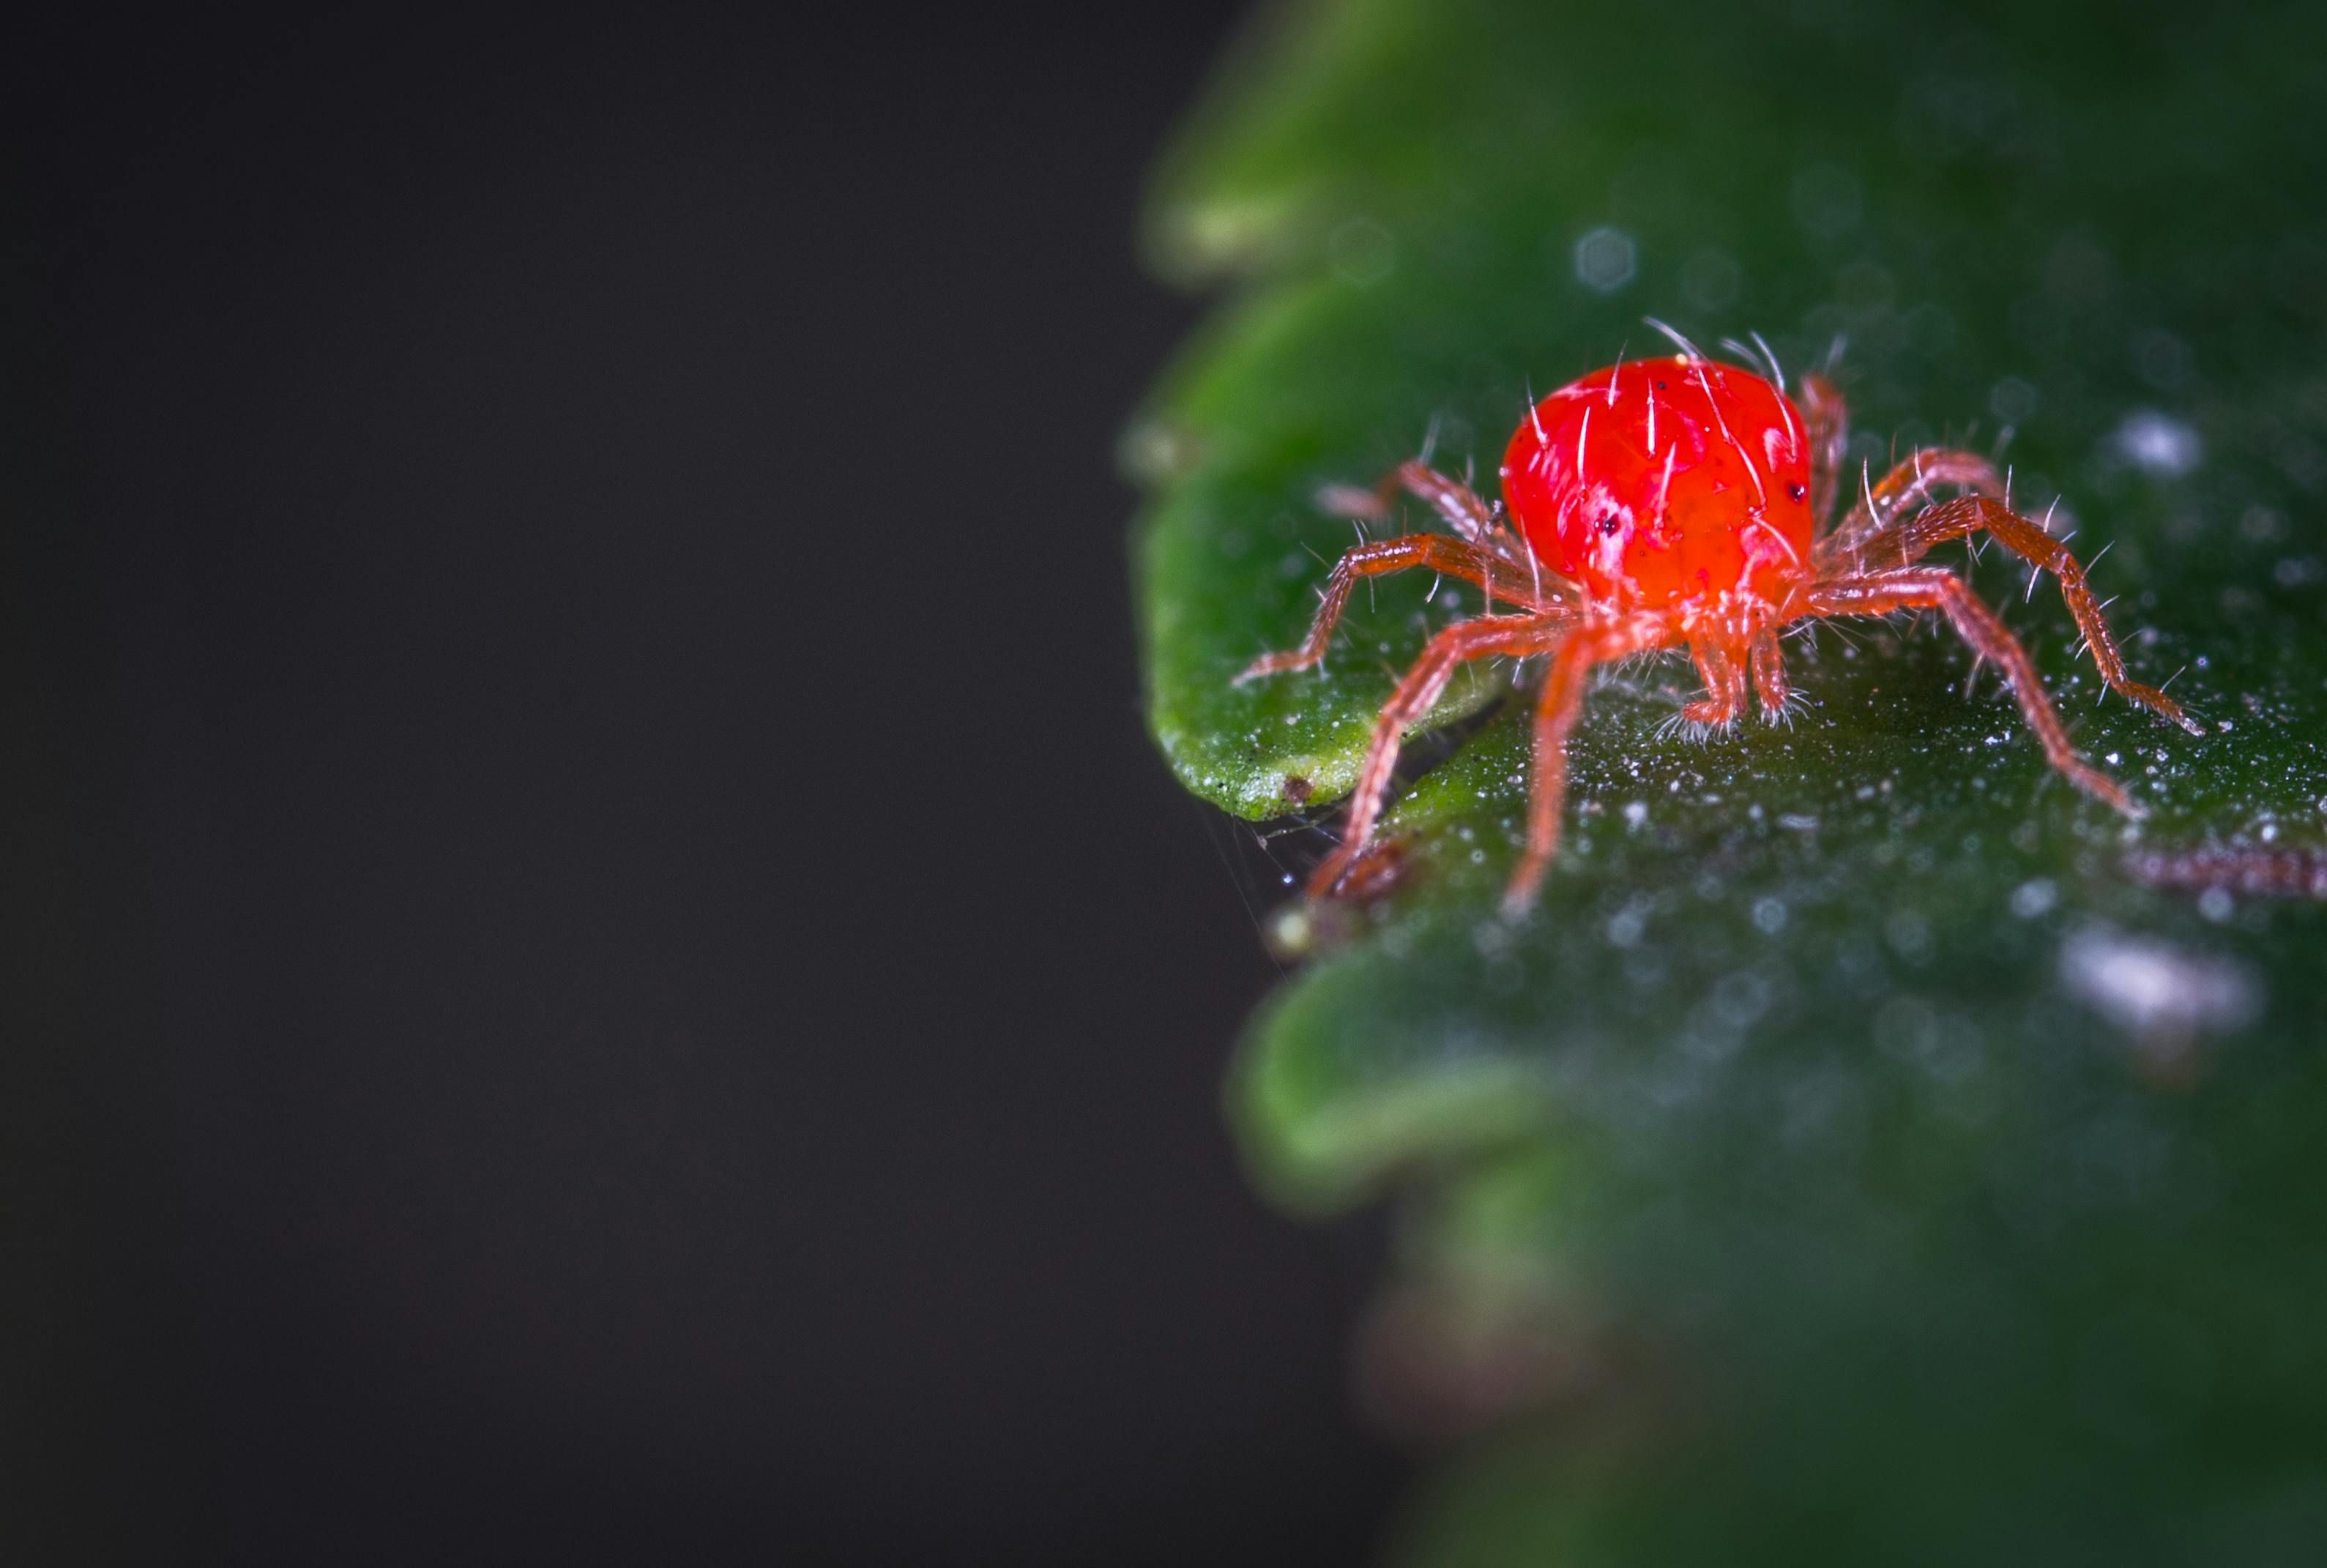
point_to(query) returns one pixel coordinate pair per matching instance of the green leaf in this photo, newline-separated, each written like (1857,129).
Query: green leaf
(1919,1163)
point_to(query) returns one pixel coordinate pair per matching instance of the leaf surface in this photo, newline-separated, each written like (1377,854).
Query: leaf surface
(1921,1164)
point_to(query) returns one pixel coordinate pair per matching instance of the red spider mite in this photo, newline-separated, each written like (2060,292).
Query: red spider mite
(1681,501)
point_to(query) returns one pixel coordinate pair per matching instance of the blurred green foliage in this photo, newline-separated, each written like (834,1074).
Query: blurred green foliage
(1851,1160)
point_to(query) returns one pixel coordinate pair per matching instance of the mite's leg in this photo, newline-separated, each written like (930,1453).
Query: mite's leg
(1929,588)
(1769,677)
(1454,557)
(1864,540)
(1479,639)
(1969,515)
(1829,434)
(1724,686)
(1462,508)
(1555,715)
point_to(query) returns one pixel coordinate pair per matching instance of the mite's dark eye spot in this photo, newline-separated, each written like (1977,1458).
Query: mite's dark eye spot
(1610,522)
(1660,386)
(1795,492)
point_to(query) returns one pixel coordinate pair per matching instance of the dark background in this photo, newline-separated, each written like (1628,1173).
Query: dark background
(596,965)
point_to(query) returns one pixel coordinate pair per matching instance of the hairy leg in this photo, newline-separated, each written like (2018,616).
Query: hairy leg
(1929,588)
(1971,514)
(1724,686)
(1479,639)
(1864,540)
(1770,682)
(1454,557)
(1829,422)
(1462,508)
(1555,715)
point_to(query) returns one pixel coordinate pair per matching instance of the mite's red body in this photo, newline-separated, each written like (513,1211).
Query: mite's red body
(1680,502)
(1663,483)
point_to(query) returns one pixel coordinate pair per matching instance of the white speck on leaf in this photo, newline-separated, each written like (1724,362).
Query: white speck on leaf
(2163,995)
(1605,260)
(2032,899)
(2158,443)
